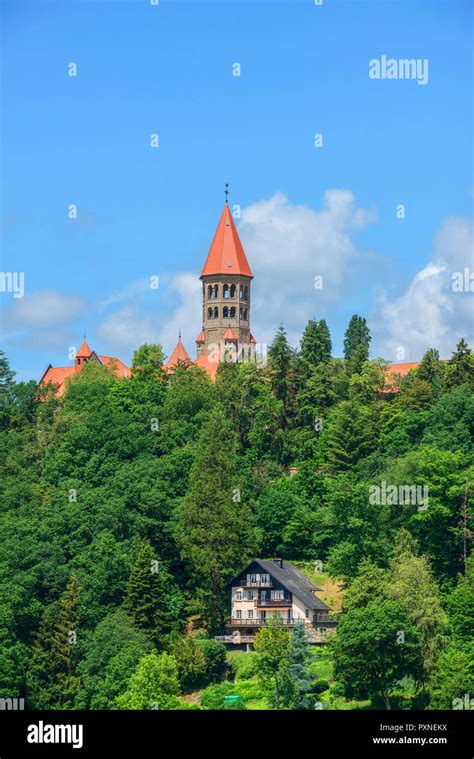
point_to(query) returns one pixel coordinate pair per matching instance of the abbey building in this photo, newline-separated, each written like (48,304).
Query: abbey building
(225,334)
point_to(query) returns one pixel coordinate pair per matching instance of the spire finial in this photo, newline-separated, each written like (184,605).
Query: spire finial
(226,190)
(179,335)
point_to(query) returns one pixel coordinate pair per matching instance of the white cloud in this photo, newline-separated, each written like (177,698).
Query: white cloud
(429,314)
(43,308)
(134,289)
(186,289)
(126,329)
(288,246)
(40,320)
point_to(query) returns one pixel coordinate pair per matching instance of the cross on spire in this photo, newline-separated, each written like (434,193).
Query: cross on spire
(226,192)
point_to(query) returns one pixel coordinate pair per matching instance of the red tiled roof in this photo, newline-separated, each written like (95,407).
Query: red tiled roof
(402,369)
(210,363)
(201,338)
(252,339)
(57,375)
(179,354)
(229,335)
(121,369)
(84,351)
(226,254)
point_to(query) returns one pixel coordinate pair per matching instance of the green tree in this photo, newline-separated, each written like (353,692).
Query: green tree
(430,368)
(216,658)
(147,362)
(214,527)
(352,435)
(375,647)
(413,586)
(453,680)
(110,653)
(280,353)
(147,598)
(460,367)
(316,343)
(53,680)
(153,685)
(356,343)
(191,662)
(272,645)
(299,657)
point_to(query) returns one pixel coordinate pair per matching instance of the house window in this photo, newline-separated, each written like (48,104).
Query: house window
(238,613)
(238,595)
(250,614)
(277,595)
(251,578)
(306,611)
(266,578)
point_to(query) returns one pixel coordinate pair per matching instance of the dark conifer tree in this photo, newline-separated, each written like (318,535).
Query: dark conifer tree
(280,353)
(214,526)
(53,682)
(460,368)
(356,343)
(148,595)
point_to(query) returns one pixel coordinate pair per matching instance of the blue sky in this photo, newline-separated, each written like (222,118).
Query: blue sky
(305,211)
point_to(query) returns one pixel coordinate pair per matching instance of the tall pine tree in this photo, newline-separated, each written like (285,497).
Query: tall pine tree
(356,344)
(148,597)
(53,682)
(280,353)
(214,529)
(460,368)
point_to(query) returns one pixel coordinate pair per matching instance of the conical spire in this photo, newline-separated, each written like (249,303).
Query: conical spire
(179,354)
(84,351)
(226,255)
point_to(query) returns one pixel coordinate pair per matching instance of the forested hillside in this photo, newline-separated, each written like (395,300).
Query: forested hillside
(127,505)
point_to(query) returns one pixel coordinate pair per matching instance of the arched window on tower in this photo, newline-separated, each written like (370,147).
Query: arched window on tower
(225,312)
(241,291)
(216,312)
(209,313)
(245,314)
(232,312)
(246,293)
(225,291)
(232,291)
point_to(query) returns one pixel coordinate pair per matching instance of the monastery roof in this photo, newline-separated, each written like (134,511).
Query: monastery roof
(179,354)
(226,254)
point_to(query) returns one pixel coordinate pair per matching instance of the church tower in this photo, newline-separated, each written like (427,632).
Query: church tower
(226,279)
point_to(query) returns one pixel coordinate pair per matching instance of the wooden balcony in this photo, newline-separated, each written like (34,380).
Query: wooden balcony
(260,622)
(272,602)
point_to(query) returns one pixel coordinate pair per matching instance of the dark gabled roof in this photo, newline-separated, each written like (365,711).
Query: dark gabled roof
(292,579)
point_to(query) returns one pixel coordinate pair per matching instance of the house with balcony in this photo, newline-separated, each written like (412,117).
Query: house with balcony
(274,589)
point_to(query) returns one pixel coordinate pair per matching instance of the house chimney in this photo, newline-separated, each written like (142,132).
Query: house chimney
(279,562)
